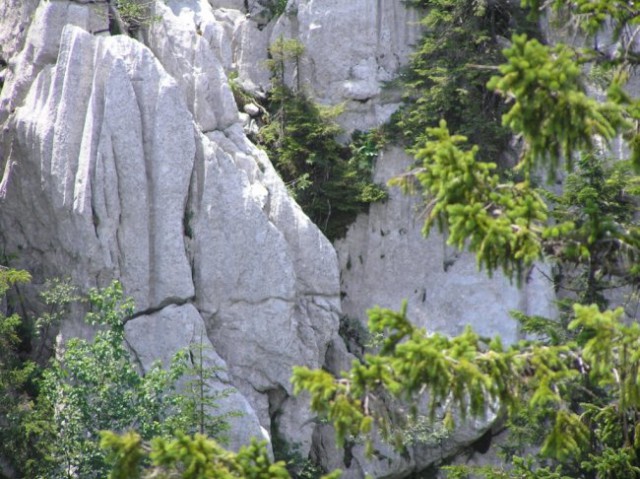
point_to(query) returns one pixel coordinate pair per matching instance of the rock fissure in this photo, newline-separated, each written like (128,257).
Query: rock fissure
(234,301)
(165,304)
(85,2)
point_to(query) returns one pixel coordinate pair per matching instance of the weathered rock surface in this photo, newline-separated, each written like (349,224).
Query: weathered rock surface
(351,50)
(385,259)
(386,462)
(128,161)
(15,16)
(132,164)
(177,328)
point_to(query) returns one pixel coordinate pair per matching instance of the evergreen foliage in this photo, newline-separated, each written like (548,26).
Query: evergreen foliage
(189,457)
(449,70)
(331,182)
(600,253)
(577,379)
(469,375)
(549,105)
(502,222)
(194,409)
(277,7)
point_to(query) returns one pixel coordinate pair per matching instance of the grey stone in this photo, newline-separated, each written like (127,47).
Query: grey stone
(41,44)
(252,109)
(103,142)
(256,283)
(351,49)
(15,16)
(385,259)
(179,328)
(182,41)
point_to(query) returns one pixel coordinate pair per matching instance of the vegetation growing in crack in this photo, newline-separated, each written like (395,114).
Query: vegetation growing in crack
(277,7)
(331,182)
(128,16)
(355,335)
(289,454)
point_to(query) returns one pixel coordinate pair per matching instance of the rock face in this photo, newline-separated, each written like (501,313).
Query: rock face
(135,169)
(179,327)
(385,259)
(352,49)
(126,159)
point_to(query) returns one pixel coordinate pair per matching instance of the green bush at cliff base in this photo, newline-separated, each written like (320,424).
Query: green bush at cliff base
(52,415)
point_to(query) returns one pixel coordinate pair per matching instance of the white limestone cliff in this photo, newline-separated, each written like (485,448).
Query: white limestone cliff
(133,170)
(384,259)
(126,159)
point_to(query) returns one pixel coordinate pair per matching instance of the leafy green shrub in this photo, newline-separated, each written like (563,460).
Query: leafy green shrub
(16,382)
(51,417)
(57,296)
(93,386)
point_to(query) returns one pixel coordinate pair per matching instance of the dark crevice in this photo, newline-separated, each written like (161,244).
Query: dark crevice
(161,306)
(483,444)
(187,225)
(134,356)
(206,132)
(3,65)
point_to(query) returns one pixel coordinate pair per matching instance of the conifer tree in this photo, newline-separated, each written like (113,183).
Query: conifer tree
(580,376)
(331,181)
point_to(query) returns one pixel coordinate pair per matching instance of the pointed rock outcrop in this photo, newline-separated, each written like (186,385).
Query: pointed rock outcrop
(127,162)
